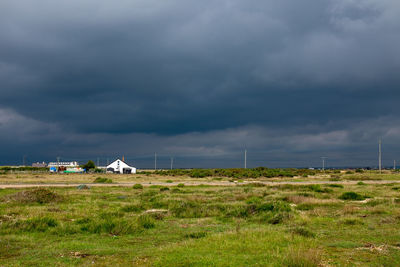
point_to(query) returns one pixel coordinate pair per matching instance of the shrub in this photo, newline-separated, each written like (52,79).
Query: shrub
(180,185)
(137,186)
(361,183)
(278,218)
(162,189)
(101,180)
(336,185)
(89,165)
(317,188)
(169,181)
(351,196)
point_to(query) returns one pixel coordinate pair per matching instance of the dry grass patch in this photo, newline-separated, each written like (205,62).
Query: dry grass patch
(39,195)
(298,257)
(298,199)
(349,209)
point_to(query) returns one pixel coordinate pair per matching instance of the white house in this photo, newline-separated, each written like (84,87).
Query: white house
(119,166)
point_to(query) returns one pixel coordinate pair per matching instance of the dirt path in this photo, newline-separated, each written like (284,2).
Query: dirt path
(4,186)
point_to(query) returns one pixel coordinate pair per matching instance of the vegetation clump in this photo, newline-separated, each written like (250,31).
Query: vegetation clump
(336,185)
(102,180)
(37,224)
(303,232)
(162,189)
(196,235)
(351,196)
(39,195)
(146,221)
(137,186)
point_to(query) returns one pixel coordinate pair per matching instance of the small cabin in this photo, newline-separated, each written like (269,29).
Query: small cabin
(120,166)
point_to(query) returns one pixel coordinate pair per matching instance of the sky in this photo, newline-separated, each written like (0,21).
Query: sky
(200,81)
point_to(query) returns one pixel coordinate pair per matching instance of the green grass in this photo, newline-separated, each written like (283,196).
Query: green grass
(351,196)
(243,225)
(101,180)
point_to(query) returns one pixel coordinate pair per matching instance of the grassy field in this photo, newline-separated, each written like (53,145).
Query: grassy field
(239,225)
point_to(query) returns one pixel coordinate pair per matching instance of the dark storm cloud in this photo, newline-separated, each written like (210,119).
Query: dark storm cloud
(162,71)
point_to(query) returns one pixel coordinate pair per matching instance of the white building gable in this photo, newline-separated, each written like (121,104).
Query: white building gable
(119,166)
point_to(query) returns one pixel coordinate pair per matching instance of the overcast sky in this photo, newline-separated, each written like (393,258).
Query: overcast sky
(290,81)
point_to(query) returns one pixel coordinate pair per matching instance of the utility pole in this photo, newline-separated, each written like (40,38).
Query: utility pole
(323,163)
(380,155)
(98,162)
(394,164)
(155,161)
(245,158)
(172,162)
(58,159)
(108,162)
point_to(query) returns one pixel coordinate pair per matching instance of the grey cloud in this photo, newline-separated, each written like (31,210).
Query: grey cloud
(94,71)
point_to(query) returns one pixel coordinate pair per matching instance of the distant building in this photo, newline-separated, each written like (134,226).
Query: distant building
(119,166)
(39,165)
(69,164)
(62,166)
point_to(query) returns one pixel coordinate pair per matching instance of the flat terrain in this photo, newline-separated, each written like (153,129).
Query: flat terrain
(323,220)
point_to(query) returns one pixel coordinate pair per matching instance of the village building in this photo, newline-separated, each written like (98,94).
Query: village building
(39,165)
(60,166)
(120,166)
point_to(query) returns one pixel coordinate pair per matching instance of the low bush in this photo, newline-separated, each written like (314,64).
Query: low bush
(137,186)
(180,185)
(102,180)
(351,196)
(317,188)
(336,185)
